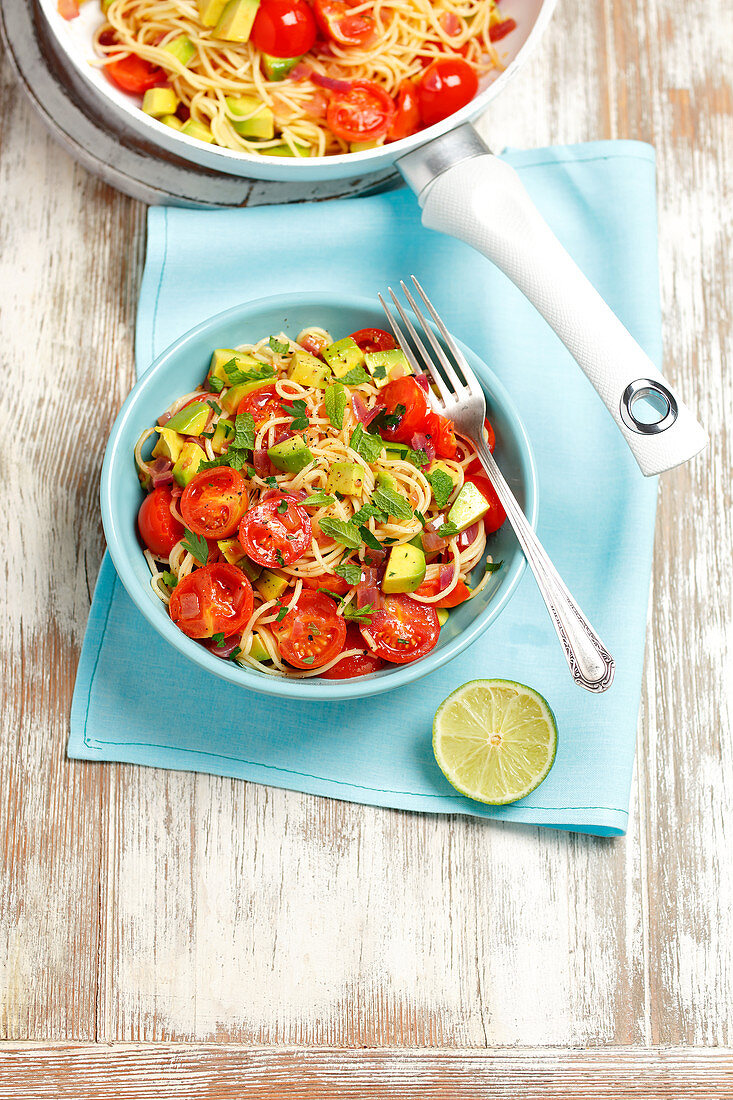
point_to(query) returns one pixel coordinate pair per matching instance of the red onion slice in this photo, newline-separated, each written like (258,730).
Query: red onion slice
(431,540)
(261,462)
(332,84)
(422,442)
(422,381)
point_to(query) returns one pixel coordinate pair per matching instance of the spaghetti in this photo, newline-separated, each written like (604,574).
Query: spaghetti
(373,72)
(300,518)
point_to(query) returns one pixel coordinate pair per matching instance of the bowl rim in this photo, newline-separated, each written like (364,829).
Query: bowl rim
(385,680)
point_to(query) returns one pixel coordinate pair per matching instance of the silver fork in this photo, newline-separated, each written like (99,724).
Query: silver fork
(463,401)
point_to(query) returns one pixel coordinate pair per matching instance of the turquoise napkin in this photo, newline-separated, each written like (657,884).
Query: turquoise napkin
(137,700)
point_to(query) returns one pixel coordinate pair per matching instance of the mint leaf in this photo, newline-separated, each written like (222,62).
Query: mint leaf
(492,566)
(235,653)
(256,374)
(170,580)
(299,412)
(216,384)
(421,517)
(196,545)
(244,432)
(369,539)
(341,532)
(391,503)
(417,458)
(278,346)
(358,614)
(350,571)
(317,500)
(355,377)
(219,640)
(335,400)
(448,530)
(365,444)
(442,485)
(393,419)
(214,407)
(365,513)
(380,371)
(281,614)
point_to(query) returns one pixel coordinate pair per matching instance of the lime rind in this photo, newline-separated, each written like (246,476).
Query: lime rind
(526,728)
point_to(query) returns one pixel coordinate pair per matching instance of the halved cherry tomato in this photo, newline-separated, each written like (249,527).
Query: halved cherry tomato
(311,634)
(490,434)
(452,26)
(134,74)
(264,404)
(445,86)
(327,580)
(457,595)
(404,399)
(283,28)
(159,530)
(214,501)
(215,599)
(496,514)
(364,113)
(403,629)
(374,339)
(276,531)
(360,664)
(337,22)
(407,118)
(443,435)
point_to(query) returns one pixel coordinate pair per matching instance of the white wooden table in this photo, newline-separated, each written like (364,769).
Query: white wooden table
(166,933)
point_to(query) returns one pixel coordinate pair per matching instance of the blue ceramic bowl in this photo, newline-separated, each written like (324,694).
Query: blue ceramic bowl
(180,369)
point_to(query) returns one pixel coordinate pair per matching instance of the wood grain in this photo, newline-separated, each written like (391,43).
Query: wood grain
(144,906)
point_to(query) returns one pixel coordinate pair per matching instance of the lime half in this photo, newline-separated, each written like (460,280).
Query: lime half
(494,740)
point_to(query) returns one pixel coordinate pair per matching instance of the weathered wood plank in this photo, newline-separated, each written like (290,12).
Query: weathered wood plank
(220,1072)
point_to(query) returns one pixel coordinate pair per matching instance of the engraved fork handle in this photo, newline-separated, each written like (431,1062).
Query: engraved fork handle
(591,665)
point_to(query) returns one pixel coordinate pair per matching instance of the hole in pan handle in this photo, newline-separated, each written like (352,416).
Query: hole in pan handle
(647,407)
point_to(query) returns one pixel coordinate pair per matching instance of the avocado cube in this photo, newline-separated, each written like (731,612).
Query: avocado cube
(442,613)
(346,478)
(385,366)
(362,146)
(343,356)
(284,150)
(197,130)
(394,452)
(308,371)
(181,47)
(386,480)
(405,569)
(223,433)
(232,550)
(188,463)
(171,120)
(277,68)
(160,101)
(222,357)
(229,401)
(210,11)
(191,420)
(235,22)
(257,649)
(169,444)
(270,585)
(251,117)
(291,456)
(468,507)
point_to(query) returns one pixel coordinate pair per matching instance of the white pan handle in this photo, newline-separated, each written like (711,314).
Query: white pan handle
(481,200)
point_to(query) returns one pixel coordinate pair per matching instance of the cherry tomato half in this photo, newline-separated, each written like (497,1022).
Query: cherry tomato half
(264,404)
(489,434)
(214,501)
(284,28)
(404,399)
(407,117)
(496,514)
(276,531)
(364,113)
(159,530)
(443,435)
(327,580)
(374,339)
(403,629)
(360,664)
(134,74)
(457,595)
(311,634)
(337,22)
(445,86)
(215,599)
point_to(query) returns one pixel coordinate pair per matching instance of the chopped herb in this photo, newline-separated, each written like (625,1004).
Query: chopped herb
(308,660)
(355,377)
(280,558)
(492,566)
(299,412)
(216,384)
(421,517)
(219,640)
(244,432)
(251,471)
(317,500)
(237,459)
(334,595)
(170,580)
(214,407)
(271,481)
(369,539)
(235,653)
(442,485)
(350,571)
(393,419)
(341,532)
(380,371)
(207,435)
(279,346)
(281,614)
(314,629)
(365,513)
(282,507)
(256,374)
(335,400)
(196,545)
(365,444)
(417,458)
(358,614)
(391,502)
(448,530)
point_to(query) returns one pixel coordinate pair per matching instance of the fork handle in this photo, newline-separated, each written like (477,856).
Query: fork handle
(481,200)
(590,663)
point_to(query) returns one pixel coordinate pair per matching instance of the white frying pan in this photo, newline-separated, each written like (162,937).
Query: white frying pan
(452,172)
